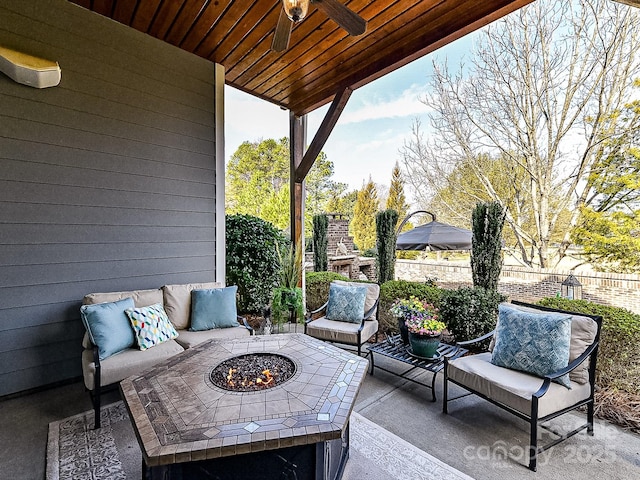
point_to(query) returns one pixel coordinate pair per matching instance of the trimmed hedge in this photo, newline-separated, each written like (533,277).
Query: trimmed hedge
(393,290)
(618,364)
(317,287)
(470,312)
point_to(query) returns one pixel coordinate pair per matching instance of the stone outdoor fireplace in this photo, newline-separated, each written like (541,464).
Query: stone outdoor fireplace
(194,418)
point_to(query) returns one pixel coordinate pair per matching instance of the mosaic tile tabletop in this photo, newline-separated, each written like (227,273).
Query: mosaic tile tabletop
(180,416)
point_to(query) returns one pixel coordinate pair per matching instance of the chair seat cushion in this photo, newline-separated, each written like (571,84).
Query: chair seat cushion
(188,339)
(126,363)
(341,332)
(511,387)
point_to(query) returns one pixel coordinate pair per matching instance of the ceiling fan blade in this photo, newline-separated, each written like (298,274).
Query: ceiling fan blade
(353,23)
(281,36)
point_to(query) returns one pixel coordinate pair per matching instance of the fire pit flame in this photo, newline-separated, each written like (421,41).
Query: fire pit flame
(249,372)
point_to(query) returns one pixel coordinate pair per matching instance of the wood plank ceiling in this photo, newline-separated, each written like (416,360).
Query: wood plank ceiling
(322,59)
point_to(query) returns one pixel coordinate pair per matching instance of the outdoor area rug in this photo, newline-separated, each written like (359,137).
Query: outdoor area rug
(76,451)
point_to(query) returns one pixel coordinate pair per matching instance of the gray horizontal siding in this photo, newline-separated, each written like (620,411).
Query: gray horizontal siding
(107,181)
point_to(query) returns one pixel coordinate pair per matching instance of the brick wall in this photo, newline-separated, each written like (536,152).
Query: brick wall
(520,283)
(338,231)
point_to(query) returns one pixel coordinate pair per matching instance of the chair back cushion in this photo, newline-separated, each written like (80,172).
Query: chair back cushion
(583,334)
(373,292)
(536,343)
(141,298)
(213,308)
(177,301)
(346,303)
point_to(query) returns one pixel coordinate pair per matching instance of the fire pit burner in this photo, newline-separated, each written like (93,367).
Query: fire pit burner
(253,371)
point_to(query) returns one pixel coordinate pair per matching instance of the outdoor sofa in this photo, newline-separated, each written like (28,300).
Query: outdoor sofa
(528,340)
(109,356)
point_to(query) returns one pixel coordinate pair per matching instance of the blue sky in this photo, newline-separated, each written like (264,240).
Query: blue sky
(372,129)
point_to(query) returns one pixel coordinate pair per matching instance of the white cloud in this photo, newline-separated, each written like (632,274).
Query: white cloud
(407,103)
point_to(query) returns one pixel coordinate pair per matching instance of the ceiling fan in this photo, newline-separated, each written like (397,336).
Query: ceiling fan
(294,11)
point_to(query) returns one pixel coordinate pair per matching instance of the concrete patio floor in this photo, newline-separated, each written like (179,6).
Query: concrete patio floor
(476,437)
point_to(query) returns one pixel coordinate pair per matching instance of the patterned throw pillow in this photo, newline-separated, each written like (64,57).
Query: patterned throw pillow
(346,303)
(532,343)
(151,325)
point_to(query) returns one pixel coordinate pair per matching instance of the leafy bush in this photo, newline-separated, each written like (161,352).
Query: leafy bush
(618,366)
(470,312)
(397,289)
(252,260)
(317,287)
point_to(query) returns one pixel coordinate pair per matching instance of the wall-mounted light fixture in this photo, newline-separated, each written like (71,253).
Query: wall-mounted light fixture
(571,288)
(28,70)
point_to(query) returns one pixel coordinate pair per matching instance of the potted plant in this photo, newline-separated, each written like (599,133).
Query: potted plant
(423,328)
(286,302)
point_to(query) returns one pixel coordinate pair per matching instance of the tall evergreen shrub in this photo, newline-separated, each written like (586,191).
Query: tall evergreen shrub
(486,252)
(252,260)
(320,242)
(386,242)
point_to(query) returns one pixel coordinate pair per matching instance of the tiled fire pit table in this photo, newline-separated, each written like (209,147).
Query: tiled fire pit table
(188,427)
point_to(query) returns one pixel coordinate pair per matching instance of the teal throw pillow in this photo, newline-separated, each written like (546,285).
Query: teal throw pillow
(214,308)
(151,325)
(346,303)
(108,326)
(536,343)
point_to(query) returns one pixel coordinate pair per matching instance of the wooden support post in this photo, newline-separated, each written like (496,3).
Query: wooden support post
(297,143)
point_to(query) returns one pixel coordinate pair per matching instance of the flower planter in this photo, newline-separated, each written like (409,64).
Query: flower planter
(424,345)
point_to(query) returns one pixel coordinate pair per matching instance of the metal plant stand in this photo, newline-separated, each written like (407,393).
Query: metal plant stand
(394,348)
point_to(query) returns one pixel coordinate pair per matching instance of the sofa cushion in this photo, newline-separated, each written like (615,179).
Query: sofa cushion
(373,292)
(151,325)
(141,298)
(346,303)
(341,332)
(177,301)
(188,339)
(108,326)
(536,343)
(511,387)
(583,333)
(214,308)
(130,361)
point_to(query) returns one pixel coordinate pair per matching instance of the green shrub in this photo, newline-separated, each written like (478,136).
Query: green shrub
(386,245)
(252,260)
(470,312)
(320,242)
(395,289)
(317,287)
(618,364)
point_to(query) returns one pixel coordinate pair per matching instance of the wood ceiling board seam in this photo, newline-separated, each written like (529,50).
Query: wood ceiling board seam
(123,11)
(102,7)
(144,15)
(187,16)
(204,25)
(241,32)
(165,16)
(255,37)
(224,24)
